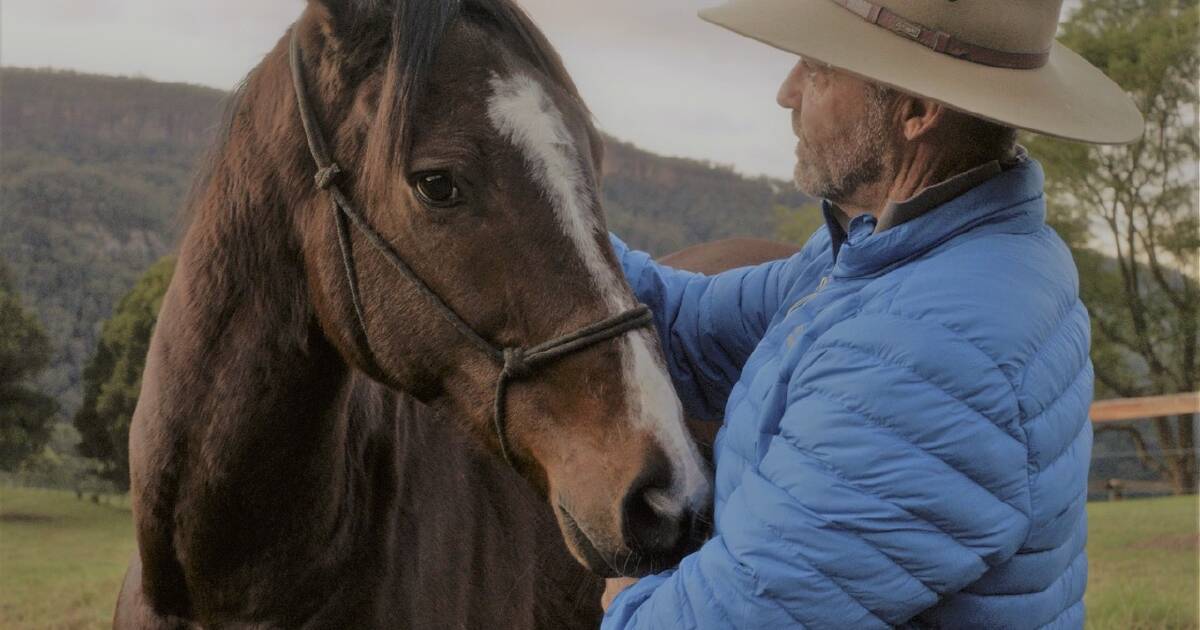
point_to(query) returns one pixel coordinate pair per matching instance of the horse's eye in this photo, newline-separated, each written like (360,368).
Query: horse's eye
(437,189)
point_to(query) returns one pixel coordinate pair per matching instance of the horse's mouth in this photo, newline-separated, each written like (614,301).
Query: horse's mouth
(623,563)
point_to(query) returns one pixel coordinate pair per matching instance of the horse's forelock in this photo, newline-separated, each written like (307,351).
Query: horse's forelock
(533,46)
(418,29)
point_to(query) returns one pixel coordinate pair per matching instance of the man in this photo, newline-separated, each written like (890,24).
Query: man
(906,437)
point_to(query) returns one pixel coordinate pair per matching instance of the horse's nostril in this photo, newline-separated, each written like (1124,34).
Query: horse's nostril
(651,520)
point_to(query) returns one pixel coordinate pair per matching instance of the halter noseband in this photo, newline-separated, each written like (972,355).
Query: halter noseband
(515,363)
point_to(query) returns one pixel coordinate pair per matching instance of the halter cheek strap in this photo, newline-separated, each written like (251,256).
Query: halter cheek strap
(514,363)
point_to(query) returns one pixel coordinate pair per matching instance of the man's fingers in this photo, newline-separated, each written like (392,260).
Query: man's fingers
(612,588)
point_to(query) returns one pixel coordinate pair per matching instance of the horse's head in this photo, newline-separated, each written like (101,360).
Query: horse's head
(469,152)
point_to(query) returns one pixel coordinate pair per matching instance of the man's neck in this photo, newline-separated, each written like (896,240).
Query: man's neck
(918,167)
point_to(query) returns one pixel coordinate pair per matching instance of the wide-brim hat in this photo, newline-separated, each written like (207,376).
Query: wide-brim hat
(995,59)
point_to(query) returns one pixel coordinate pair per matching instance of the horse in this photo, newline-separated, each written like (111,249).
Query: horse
(494,551)
(343,422)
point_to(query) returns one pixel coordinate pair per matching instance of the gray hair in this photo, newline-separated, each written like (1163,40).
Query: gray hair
(973,140)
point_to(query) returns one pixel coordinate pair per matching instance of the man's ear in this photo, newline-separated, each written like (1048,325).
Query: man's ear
(919,116)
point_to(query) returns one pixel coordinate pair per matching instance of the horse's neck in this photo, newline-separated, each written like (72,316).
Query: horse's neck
(241,445)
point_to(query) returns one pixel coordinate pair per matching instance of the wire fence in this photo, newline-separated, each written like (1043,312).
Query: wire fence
(1123,472)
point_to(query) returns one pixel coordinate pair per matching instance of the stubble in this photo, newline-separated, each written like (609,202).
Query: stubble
(838,169)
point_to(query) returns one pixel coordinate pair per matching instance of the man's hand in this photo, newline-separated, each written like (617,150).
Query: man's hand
(613,587)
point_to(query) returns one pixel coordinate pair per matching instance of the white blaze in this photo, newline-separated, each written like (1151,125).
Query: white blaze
(524,114)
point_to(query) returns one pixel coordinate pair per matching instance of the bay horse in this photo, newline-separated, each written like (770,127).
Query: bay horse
(280,477)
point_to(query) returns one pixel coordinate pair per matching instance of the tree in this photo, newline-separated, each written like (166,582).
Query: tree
(112,379)
(57,465)
(797,225)
(26,415)
(1139,203)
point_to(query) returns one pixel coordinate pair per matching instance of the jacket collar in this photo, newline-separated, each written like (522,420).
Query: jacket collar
(1010,201)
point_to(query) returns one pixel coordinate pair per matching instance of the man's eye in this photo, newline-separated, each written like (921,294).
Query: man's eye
(437,189)
(815,70)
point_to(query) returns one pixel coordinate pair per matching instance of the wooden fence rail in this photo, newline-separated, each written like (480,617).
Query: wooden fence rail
(1125,409)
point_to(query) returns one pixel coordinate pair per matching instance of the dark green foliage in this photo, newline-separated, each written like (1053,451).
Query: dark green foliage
(1139,202)
(112,379)
(26,415)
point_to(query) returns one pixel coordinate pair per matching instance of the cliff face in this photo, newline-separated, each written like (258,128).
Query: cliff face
(94,169)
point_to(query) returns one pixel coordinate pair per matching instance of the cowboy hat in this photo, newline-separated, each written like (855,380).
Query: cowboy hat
(995,59)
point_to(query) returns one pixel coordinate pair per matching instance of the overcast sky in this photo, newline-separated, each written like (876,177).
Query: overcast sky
(652,72)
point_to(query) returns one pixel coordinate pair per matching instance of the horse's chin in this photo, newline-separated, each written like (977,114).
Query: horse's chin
(581,546)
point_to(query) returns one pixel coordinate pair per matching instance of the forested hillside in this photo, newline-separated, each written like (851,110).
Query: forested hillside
(93,171)
(665,204)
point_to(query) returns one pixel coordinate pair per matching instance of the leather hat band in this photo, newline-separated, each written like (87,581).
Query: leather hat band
(943,42)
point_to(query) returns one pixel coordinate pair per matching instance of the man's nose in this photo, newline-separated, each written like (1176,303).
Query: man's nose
(792,90)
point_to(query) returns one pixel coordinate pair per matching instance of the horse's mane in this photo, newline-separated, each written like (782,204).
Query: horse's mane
(210,159)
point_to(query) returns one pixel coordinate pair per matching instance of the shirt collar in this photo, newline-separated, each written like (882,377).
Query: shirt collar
(906,228)
(898,212)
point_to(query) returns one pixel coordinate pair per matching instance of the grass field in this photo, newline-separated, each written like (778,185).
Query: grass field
(1143,564)
(62,561)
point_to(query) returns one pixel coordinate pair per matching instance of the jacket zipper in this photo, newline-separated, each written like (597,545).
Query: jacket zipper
(808,298)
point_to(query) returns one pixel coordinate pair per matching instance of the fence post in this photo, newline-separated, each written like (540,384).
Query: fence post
(1115,489)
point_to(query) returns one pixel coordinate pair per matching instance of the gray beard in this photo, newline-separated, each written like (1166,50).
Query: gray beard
(839,174)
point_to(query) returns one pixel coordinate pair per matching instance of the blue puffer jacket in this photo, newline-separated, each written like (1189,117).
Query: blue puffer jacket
(906,437)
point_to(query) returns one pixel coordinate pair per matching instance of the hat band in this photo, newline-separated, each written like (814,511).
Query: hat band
(944,42)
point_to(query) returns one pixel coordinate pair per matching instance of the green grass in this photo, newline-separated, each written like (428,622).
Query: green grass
(1143,564)
(62,561)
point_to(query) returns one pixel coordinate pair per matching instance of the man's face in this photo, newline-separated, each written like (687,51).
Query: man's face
(843,130)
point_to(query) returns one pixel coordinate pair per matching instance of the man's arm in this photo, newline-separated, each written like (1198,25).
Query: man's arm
(898,474)
(708,325)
